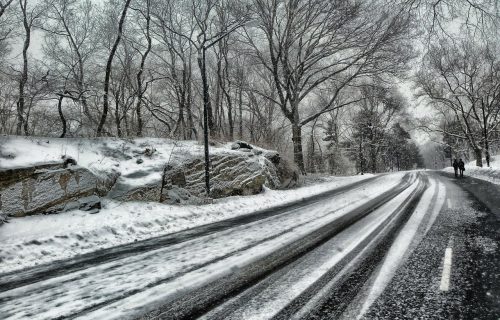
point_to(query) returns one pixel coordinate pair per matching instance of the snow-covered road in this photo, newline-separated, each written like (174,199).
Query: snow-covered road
(278,292)
(132,285)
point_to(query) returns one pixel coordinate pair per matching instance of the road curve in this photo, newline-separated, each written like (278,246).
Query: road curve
(193,269)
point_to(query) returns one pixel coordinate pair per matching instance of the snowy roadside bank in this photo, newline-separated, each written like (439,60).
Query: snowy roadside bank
(490,174)
(41,239)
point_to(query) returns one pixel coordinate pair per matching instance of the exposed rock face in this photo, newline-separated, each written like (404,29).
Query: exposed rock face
(231,174)
(241,145)
(288,174)
(106,181)
(91,204)
(63,186)
(273,156)
(235,175)
(124,192)
(43,188)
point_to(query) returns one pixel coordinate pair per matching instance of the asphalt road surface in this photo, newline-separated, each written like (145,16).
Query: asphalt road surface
(398,246)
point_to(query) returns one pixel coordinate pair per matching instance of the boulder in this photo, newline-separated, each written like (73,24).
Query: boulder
(43,188)
(92,204)
(106,181)
(237,145)
(233,176)
(257,152)
(272,156)
(124,192)
(176,195)
(288,173)
(230,174)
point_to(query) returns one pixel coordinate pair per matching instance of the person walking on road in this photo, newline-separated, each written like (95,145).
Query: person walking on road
(455,167)
(461,167)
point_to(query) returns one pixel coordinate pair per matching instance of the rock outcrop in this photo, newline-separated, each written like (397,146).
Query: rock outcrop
(241,145)
(43,188)
(288,174)
(62,186)
(231,174)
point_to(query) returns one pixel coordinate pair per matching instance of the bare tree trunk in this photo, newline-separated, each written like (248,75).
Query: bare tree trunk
(189,112)
(140,91)
(298,155)
(240,111)
(61,116)
(26,119)
(226,89)
(487,151)
(24,73)
(486,137)
(310,153)
(218,101)
(206,114)
(479,156)
(179,130)
(361,157)
(117,114)
(373,156)
(109,65)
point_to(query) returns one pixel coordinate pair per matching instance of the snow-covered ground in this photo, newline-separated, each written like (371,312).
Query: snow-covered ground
(491,173)
(42,239)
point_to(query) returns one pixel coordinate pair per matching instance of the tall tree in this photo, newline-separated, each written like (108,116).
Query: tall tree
(29,14)
(109,64)
(209,31)
(462,79)
(315,45)
(145,13)
(5,27)
(70,27)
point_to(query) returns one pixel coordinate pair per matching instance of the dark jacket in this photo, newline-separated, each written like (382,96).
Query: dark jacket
(461,165)
(455,164)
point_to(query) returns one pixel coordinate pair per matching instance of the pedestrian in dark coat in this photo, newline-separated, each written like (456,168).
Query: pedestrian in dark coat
(455,167)
(461,167)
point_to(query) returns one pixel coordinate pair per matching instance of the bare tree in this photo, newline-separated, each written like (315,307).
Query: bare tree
(378,109)
(4,5)
(462,80)
(175,54)
(209,32)
(323,45)
(145,13)
(109,64)
(29,14)
(69,32)
(5,26)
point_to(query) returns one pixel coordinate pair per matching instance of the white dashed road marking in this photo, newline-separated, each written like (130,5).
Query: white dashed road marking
(445,276)
(449,204)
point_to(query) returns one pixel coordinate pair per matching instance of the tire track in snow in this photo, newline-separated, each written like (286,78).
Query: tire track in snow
(402,244)
(297,285)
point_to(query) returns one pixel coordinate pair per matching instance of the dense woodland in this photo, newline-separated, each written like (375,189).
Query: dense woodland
(316,79)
